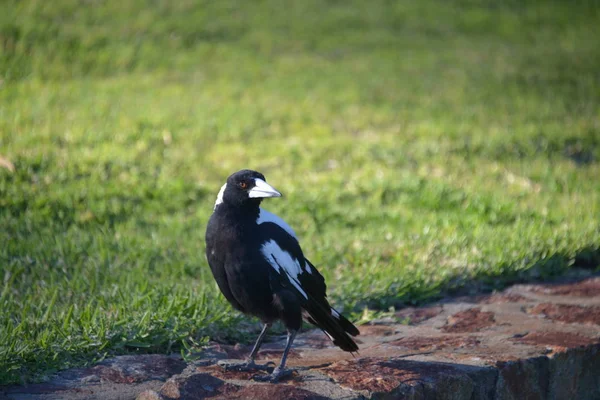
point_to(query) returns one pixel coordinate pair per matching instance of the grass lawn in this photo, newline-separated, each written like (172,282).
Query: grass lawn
(420,146)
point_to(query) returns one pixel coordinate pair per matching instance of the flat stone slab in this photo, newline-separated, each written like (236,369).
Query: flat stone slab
(538,341)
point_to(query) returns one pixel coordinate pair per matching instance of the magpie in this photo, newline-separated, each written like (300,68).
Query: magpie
(259,267)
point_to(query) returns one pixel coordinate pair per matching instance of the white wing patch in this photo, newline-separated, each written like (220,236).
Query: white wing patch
(279,258)
(335,314)
(220,196)
(265,216)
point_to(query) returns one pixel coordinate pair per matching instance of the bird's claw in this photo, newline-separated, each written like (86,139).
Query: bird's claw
(275,376)
(248,365)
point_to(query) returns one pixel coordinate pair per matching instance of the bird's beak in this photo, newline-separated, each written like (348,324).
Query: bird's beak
(262,189)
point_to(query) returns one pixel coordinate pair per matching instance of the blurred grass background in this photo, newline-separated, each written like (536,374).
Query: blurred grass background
(421,147)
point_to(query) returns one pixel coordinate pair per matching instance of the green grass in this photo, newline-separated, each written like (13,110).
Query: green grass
(420,146)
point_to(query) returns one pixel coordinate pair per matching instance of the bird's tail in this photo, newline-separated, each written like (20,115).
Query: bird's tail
(334,324)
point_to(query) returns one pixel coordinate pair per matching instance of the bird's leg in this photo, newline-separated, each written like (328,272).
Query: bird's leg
(249,364)
(280,371)
(258,343)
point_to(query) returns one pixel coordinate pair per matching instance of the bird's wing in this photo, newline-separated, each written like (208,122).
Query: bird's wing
(282,251)
(294,272)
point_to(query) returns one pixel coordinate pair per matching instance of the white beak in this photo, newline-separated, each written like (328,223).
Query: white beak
(262,189)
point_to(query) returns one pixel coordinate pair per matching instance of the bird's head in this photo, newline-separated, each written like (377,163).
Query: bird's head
(245,187)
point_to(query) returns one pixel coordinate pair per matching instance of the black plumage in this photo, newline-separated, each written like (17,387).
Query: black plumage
(259,266)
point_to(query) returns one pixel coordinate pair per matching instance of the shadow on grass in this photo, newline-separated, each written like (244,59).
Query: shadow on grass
(558,267)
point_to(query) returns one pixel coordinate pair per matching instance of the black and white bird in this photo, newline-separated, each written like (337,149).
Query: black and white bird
(259,266)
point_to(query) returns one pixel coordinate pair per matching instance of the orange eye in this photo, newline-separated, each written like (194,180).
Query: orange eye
(243,185)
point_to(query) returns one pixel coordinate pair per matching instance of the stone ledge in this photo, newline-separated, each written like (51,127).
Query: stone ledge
(529,341)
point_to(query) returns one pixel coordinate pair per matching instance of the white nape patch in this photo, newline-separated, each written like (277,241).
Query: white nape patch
(335,314)
(220,196)
(279,258)
(265,216)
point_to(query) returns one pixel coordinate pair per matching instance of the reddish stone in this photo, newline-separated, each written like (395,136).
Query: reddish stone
(375,330)
(557,339)
(503,298)
(221,373)
(377,375)
(587,288)
(236,352)
(275,354)
(162,367)
(442,342)
(241,352)
(471,320)
(202,386)
(495,298)
(488,355)
(418,315)
(568,313)
(134,369)
(116,374)
(315,339)
(195,387)
(279,391)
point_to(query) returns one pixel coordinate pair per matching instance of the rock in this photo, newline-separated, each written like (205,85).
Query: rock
(414,316)
(419,343)
(568,313)
(261,392)
(586,288)
(134,369)
(149,395)
(529,341)
(122,377)
(194,386)
(377,377)
(574,374)
(562,340)
(503,298)
(523,379)
(471,320)
(197,386)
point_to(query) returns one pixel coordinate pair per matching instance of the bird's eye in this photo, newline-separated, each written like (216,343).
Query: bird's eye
(243,185)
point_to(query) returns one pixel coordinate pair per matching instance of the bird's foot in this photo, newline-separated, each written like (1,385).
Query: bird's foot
(275,376)
(248,365)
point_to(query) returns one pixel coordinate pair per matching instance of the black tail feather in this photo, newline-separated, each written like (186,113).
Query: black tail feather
(348,326)
(338,328)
